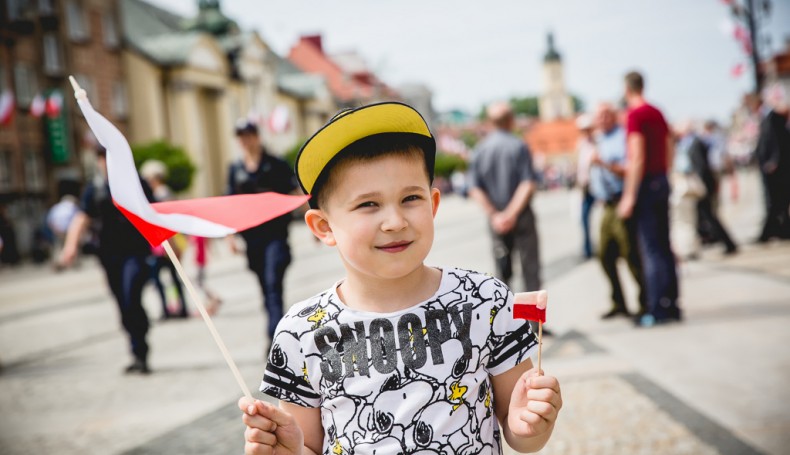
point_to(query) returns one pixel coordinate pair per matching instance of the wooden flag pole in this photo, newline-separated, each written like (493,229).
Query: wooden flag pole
(207,319)
(540,344)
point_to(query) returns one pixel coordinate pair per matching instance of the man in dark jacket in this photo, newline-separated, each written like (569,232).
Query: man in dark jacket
(773,157)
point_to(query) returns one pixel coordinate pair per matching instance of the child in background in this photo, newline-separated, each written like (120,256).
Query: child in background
(397,357)
(201,258)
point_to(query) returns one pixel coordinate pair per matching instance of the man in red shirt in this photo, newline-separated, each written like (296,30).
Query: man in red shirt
(646,198)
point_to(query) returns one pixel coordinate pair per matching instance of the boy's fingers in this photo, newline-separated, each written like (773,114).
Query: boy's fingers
(247,405)
(259,422)
(259,436)
(544,382)
(546,395)
(277,415)
(538,423)
(254,448)
(543,409)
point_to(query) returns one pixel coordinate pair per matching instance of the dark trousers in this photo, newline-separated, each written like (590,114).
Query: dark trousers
(269,258)
(587,204)
(618,240)
(523,240)
(658,262)
(126,276)
(713,227)
(777,201)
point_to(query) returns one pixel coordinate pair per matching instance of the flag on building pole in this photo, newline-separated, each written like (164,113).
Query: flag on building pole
(38,106)
(532,307)
(205,217)
(7,107)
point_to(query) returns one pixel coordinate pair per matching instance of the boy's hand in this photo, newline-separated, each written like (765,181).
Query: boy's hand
(534,404)
(270,430)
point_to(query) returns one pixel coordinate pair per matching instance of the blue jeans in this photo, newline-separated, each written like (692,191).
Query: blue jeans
(269,258)
(126,275)
(587,205)
(658,261)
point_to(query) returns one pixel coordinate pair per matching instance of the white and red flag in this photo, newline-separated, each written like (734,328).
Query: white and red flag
(204,217)
(7,107)
(38,105)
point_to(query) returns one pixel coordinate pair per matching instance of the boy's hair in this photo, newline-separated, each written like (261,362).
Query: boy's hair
(362,134)
(364,151)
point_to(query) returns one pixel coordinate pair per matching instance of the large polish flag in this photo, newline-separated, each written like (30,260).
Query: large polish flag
(205,217)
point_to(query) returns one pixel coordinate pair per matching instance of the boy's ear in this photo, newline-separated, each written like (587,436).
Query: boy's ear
(319,225)
(436,197)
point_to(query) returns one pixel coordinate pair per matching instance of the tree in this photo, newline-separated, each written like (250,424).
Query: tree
(180,169)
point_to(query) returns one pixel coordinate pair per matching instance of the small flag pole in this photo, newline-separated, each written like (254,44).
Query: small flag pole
(540,344)
(207,319)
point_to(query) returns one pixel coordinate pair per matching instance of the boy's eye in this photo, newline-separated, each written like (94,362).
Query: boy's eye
(366,204)
(413,197)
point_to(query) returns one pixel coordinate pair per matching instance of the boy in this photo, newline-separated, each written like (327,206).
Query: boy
(398,357)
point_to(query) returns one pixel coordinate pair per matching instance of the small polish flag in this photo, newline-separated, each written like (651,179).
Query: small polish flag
(737,70)
(530,305)
(38,106)
(279,120)
(54,104)
(7,107)
(205,217)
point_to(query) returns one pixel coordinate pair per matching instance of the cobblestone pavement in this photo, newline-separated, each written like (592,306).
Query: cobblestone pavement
(715,384)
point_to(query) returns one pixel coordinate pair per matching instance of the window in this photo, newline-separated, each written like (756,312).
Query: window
(24,84)
(109,30)
(45,7)
(17,9)
(34,171)
(120,106)
(76,21)
(6,171)
(53,55)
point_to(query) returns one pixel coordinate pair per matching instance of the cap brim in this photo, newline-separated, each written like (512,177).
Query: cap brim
(349,127)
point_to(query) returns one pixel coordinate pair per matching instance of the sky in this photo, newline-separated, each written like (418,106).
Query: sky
(470,54)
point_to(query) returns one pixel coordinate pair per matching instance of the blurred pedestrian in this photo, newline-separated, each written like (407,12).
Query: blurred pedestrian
(618,236)
(60,215)
(10,252)
(646,199)
(699,154)
(502,180)
(687,190)
(268,252)
(585,149)
(155,174)
(122,252)
(201,260)
(773,157)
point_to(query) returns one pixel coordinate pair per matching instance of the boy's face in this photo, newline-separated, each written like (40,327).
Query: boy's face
(379,214)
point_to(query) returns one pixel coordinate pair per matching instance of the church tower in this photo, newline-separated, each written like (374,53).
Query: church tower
(554,102)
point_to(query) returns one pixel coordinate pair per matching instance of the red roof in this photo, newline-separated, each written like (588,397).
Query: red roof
(554,137)
(308,55)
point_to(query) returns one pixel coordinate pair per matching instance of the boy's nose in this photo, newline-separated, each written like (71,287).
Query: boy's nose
(394,221)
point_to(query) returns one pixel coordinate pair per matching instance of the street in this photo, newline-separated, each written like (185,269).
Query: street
(714,384)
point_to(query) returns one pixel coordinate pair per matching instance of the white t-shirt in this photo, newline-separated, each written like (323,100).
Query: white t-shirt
(413,381)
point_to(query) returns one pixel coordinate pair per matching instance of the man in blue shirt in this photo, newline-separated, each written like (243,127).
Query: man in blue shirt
(618,236)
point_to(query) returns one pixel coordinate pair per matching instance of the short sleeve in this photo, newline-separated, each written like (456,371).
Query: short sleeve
(472,173)
(286,376)
(632,124)
(512,340)
(526,170)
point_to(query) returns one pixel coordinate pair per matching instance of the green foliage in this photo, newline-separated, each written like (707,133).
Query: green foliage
(180,169)
(290,155)
(578,104)
(469,138)
(446,164)
(527,105)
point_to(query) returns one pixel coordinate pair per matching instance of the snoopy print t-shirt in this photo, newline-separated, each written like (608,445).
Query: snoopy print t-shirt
(412,381)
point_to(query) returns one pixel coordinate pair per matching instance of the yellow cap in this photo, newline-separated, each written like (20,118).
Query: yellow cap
(352,125)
